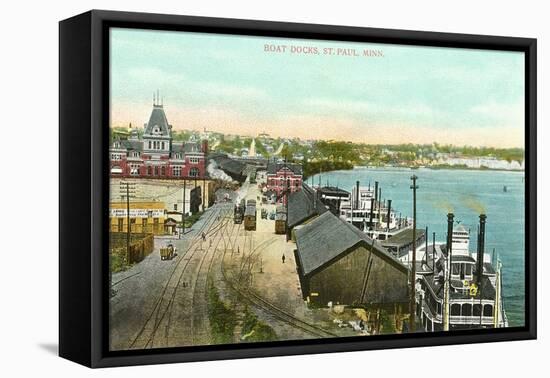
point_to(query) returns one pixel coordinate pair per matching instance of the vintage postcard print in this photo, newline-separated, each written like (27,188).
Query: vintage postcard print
(267,189)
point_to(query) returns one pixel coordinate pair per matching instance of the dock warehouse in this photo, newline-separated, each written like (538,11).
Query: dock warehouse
(303,206)
(338,263)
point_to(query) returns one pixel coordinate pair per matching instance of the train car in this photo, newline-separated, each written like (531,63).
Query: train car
(280,220)
(238,213)
(250,218)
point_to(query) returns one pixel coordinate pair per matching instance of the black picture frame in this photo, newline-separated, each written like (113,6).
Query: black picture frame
(83,182)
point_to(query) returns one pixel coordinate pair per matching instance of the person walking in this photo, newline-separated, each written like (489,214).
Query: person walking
(283,258)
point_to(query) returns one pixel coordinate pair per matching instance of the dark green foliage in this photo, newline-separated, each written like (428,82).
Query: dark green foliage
(313,168)
(255,330)
(222,318)
(192,219)
(118,263)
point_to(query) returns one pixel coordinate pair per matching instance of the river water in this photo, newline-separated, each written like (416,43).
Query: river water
(466,193)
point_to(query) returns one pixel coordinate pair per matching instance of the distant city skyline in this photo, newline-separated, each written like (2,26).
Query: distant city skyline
(230,84)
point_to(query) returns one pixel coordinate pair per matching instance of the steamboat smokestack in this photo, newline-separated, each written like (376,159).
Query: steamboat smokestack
(371,212)
(357,195)
(379,215)
(389,215)
(481,247)
(450,221)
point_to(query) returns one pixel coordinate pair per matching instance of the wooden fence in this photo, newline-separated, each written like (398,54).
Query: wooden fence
(141,245)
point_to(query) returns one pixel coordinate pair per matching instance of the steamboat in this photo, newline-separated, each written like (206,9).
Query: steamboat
(457,288)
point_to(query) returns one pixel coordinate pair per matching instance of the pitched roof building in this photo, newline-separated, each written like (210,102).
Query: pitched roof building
(155,153)
(338,263)
(283,178)
(303,205)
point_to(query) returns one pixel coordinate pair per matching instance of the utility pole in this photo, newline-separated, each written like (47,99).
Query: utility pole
(127,190)
(183,209)
(128,225)
(285,201)
(412,318)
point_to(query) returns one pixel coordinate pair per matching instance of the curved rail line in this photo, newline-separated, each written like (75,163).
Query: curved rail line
(156,308)
(200,289)
(271,308)
(211,232)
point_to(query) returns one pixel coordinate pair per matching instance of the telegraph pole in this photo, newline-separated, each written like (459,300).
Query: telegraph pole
(412,317)
(183,209)
(285,200)
(125,188)
(128,225)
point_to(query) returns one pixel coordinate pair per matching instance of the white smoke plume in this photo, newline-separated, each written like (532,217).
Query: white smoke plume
(217,173)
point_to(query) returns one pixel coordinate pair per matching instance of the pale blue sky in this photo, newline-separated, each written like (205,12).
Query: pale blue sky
(230,84)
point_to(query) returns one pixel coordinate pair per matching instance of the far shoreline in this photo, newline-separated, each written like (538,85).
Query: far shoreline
(438,168)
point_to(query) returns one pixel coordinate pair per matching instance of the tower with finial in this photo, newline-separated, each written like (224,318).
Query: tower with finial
(157,134)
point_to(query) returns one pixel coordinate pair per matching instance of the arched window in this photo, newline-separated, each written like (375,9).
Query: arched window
(163,145)
(477,309)
(150,171)
(162,171)
(156,171)
(487,310)
(466,309)
(455,309)
(149,144)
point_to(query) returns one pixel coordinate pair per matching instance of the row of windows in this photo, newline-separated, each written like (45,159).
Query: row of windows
(162,171)
(281,182)
(466,309)
(457,309)
(156,145)
(144,223)
(462,270)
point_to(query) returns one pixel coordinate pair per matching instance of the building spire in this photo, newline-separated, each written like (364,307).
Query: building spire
(158,97)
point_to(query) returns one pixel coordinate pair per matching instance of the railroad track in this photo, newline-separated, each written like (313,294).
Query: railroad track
(212,232)
(199,319)
(275,311)
(145,335)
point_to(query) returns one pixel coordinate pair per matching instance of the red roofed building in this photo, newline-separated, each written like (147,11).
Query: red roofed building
(155,154)
(283,176)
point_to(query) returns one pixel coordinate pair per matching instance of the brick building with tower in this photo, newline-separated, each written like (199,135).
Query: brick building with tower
(155,154)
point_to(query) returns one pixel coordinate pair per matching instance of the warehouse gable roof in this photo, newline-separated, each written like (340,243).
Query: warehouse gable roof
(328,238)
(303,205)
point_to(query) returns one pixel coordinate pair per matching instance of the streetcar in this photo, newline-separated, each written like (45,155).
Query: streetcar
(280,220)
(250,217)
